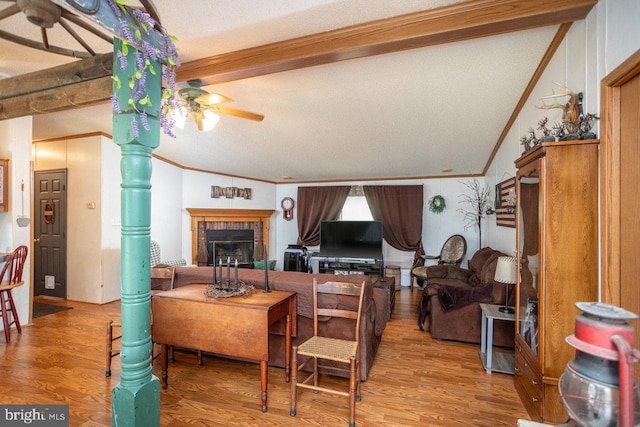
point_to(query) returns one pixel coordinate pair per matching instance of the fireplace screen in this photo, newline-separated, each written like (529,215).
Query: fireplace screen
(230,244)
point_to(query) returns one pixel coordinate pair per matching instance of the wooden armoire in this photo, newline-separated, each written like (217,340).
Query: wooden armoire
(557,240)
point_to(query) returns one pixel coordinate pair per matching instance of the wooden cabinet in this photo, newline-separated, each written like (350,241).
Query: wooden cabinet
(557,240)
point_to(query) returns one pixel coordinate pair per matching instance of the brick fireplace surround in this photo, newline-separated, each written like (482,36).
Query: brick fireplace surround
(203,219)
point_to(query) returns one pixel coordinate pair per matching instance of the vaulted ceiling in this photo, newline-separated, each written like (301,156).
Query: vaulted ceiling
(350,89)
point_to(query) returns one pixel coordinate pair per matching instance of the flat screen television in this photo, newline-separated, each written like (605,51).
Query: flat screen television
(351,239)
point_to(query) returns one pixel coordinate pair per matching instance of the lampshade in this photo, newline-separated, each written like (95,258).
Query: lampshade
(506,270)
(205,120)
(179,116)
(209,120)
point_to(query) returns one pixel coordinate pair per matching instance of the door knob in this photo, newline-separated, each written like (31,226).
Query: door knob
(36,240)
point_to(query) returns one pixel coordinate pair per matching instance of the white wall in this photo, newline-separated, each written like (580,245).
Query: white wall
(84,270)
(436,228)
(166,210)
(111,225)
(82,159)
(592,49)
(13,133)
(618,33)
(196,193)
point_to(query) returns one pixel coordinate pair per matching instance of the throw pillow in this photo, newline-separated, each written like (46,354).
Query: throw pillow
(479,259)
(489,269)
(451,297)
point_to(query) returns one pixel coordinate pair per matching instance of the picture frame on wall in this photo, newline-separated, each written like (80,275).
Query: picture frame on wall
(4,185)
(505,203)
(216,192)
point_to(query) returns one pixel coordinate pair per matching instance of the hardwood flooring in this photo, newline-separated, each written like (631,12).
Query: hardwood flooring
(415,380)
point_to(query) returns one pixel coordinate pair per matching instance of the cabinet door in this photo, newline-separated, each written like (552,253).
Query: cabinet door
(528,241)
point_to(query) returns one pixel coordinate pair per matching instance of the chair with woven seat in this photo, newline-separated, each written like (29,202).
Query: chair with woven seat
(452,253)
(327,349)
(158,276)
(11,278)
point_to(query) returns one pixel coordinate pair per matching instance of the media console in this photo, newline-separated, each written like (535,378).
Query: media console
(365,266)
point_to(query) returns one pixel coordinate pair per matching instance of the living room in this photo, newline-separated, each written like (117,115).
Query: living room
(591,50)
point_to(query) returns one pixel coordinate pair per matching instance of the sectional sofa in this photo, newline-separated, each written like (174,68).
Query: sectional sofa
(378,305)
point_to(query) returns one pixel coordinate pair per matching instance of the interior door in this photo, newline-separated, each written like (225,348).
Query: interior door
(629,201)
(50,233)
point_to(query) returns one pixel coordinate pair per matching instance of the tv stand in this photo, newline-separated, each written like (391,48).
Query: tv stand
(336,265)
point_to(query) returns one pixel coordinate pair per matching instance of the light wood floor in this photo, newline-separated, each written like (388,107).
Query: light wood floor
(415,380)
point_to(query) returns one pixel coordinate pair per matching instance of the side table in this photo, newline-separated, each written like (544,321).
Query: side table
(494,361)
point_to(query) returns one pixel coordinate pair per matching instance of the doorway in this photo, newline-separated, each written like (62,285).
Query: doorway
(49,233)
(620,146)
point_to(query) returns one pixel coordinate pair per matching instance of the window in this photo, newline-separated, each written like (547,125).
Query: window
(355,207)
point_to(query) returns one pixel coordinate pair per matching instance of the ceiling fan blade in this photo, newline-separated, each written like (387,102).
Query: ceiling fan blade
(212,98)
(238,113)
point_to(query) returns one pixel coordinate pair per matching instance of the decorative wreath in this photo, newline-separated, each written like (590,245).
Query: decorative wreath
(437,204)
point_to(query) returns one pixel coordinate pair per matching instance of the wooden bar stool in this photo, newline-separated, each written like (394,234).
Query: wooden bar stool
(13,271)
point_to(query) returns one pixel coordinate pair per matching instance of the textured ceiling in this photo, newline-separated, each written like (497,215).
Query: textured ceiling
(404,114)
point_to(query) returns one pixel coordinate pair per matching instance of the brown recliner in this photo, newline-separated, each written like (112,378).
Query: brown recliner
(452,295)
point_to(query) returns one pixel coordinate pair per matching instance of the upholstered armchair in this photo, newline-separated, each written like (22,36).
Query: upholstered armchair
(156,259)
(452,253)
(450,304)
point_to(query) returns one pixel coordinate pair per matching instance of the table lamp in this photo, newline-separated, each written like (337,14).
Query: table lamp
(506,270)
(598,387)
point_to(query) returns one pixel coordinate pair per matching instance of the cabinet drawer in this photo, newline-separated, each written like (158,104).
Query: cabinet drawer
(528,382)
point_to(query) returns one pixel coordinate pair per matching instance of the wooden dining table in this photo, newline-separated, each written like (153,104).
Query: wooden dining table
(237,326)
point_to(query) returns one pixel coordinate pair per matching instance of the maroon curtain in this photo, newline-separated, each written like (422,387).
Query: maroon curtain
(399,207)
(316,204)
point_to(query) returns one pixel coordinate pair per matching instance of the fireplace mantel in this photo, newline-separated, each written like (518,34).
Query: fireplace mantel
(228,215)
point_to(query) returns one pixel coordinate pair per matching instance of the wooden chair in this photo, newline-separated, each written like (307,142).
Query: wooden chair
(452,253)
(12,273)
(111,353)
(161,274)
(331,349)
(156,274)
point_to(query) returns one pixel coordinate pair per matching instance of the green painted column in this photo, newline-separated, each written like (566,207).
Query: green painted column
(136,398)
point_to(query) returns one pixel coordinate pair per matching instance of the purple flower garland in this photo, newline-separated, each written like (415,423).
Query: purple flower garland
(139,98)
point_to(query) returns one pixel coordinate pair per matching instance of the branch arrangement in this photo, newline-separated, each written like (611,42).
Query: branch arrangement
(480,205)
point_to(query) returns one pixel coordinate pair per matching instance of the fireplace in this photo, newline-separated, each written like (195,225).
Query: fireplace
(230,244)
(202,220)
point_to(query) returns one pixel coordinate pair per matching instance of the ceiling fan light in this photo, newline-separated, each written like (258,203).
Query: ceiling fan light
(209,120)
(179,116)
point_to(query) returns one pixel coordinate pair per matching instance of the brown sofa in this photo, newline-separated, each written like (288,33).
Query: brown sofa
(452,295)
(376,309)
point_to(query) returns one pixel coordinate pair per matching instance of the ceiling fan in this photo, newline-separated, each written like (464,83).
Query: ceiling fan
(203,106)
